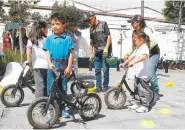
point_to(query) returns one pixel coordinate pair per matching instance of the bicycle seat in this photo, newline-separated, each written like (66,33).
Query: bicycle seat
(88,84)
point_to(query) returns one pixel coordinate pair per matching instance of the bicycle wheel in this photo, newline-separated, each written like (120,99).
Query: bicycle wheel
(10,100)
(41,120)
(77,91)
(118,98)
(91,106)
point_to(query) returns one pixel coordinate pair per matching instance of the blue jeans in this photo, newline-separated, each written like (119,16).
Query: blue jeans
(50,77)
(99,62)
(153,67)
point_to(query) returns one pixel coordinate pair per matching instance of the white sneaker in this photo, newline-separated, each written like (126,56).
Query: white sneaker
(142,109)
(133,107)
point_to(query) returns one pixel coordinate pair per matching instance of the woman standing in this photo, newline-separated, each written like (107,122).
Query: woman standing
(37,36)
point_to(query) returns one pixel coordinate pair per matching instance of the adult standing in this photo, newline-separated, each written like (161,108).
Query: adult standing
(100,43)
(75,35)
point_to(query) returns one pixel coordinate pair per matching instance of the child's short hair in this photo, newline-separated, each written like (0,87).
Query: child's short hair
(59,17)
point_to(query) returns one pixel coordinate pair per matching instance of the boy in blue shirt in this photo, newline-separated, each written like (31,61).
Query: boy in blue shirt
(58,47)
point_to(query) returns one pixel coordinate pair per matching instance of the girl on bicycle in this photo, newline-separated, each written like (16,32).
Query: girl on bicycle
(37,36)
(138,23)
(140,61)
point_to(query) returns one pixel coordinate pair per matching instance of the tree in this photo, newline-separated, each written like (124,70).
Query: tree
(1,9)
(3,16)
(70,13)
(171,11)
(36,16)
(19,12)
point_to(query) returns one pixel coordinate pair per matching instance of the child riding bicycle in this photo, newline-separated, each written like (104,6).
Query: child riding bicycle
(58,47)
(140,61)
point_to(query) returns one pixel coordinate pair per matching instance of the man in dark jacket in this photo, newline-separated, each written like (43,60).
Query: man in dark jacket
(100,44)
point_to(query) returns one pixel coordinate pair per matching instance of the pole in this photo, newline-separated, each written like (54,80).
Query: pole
(121,45)
(179,32)
(142,8)
(20,35)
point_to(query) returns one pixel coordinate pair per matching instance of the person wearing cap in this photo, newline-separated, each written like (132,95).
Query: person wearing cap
(138,23)
(75,34)
(100,44)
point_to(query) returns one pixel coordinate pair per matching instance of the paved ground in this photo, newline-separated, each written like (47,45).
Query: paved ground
(174,100)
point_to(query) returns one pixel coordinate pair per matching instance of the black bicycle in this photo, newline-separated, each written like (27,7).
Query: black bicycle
(13,95)
(44,112)
(115,98)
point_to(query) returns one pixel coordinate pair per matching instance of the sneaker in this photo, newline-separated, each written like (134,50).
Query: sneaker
(142,109)
(133,107)
(65,113)
(156,97)
(160,95)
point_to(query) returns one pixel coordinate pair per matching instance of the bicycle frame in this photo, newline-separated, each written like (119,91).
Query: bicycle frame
(55,89)
(123,81)
(21,78)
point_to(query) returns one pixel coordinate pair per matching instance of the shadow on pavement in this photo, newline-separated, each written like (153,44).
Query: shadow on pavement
(80,121)
(163,75)
(125,107)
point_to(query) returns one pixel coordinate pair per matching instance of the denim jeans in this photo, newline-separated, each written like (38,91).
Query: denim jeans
(153,68)
(50,76)
(99,63)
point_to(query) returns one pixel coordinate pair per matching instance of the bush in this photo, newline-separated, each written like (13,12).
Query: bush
(10,56)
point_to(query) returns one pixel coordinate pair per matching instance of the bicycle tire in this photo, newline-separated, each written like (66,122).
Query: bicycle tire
(112,106)
(82,111)
(4,92)
(33,105)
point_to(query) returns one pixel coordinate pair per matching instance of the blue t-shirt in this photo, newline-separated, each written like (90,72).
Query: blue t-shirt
(58,46)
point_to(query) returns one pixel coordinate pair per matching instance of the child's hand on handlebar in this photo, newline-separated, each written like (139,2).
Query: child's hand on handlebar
(122,65)
(130,65)
(51,66)
(27,63)
(67,72)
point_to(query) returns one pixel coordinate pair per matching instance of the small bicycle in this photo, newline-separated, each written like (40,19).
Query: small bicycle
(118,93)
(44,112)
(13,95)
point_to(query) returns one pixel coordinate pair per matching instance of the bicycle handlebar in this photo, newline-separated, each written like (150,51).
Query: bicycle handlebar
(55,71)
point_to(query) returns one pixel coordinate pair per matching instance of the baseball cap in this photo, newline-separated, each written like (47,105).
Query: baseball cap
(88,15)
(135,18)
(138,18)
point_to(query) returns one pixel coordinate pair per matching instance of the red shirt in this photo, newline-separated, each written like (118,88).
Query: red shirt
(6,42)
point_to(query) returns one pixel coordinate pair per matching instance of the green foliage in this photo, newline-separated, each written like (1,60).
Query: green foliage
(19,12)
(171,11)
(3,16)
(38,17)
(70,13)
(10,56)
